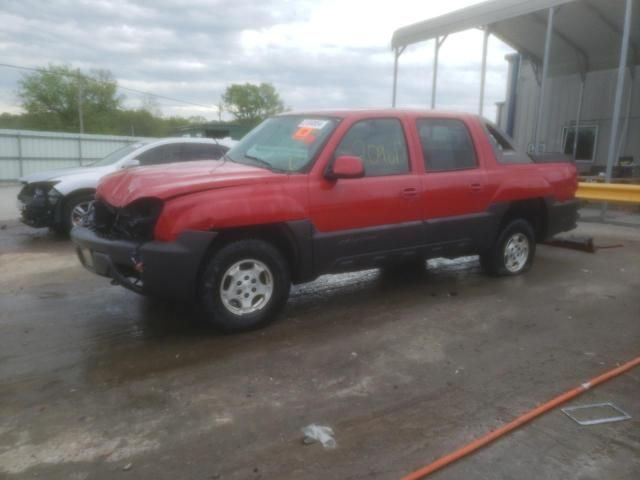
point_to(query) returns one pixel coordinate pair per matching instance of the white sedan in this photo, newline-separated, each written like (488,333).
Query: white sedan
(60,198)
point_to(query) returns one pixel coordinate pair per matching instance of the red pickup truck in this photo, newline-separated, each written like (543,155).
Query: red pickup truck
(304,195)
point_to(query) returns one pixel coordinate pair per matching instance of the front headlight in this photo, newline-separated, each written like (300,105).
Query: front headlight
(137,220)
(54,196)
(42,189)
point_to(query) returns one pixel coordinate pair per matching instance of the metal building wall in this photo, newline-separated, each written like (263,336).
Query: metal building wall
(561,107)
(25,151)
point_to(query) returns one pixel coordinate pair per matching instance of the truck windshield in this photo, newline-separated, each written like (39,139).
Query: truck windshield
(113,157)
(286,143)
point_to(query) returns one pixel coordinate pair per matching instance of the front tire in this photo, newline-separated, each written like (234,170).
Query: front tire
(73,211)
(244,285)
(513,251)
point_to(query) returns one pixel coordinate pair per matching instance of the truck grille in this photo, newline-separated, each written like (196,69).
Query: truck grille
(133,222)
(101,217)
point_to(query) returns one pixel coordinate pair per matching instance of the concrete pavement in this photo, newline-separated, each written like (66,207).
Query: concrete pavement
(96,382)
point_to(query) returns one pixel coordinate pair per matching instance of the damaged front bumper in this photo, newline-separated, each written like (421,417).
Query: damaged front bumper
(167,269)
(39,205)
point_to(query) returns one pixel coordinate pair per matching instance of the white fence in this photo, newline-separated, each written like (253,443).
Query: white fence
(26,151)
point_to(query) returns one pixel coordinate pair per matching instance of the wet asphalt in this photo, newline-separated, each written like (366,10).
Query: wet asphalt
(97,382)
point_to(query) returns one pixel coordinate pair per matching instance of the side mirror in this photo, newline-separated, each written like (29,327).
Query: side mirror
(134,162)
(347,166)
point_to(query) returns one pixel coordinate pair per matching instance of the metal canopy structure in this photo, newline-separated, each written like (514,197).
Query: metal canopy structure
(586,33)
(559,37)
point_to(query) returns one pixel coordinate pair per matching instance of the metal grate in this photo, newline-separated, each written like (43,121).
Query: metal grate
(596,413)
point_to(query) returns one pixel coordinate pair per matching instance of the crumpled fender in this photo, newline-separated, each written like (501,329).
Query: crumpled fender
(235,206)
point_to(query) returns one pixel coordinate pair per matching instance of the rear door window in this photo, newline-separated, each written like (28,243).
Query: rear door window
(446,145)
(202,151)
(161,154)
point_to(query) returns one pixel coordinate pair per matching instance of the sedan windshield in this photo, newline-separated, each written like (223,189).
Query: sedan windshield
(113,157)
(287,143)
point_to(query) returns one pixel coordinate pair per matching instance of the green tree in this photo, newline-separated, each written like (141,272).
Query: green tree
(50,102)
(52,97)
(251,103)
(197,119)
(142,123)
(10,120)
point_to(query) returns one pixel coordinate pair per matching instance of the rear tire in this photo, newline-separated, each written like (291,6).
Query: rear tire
(244,285)
(513,252)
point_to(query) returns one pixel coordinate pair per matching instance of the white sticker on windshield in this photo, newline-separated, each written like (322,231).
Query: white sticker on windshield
(313,123)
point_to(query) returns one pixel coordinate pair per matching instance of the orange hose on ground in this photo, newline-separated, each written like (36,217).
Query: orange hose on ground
(536,412)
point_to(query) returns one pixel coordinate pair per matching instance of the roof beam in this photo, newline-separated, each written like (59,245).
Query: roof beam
(570,43)
(525,52)
(483,13)
(635,49)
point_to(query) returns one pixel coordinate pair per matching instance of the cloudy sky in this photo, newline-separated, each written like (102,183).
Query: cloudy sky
(318,53)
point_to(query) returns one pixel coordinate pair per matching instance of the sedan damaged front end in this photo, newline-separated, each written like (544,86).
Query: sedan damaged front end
(40,204)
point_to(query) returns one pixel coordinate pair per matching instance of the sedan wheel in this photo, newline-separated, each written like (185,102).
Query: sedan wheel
(78,213)
(74,209)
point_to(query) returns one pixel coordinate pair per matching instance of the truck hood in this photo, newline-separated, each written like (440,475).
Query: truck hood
(64,173)
(167,181)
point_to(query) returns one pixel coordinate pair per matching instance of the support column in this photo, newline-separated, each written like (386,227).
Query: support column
(483,74)
(434,83)
(583,78)
(624,136)
(545,73)
(624,50)
(615,121)
(513,94)
(396,53)
(395,78)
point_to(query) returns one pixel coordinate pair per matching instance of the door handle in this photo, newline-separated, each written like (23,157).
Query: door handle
(475,187)
(409,193)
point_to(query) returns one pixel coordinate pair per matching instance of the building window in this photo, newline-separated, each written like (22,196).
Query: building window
(587,140)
